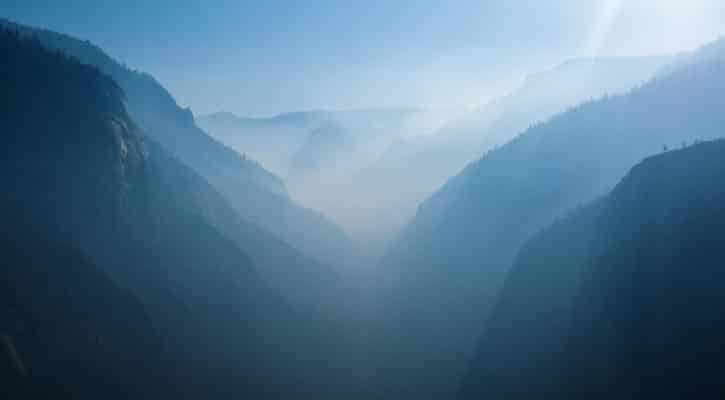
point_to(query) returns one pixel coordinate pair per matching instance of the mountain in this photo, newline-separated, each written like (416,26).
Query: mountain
(465,237)
(414,168)
(275,140)
(322,148)
(525,336)
(272,140)
(255,194)
(87,191)
(327,158)
(545,94)
(62,319)
(413,164)
(620,299)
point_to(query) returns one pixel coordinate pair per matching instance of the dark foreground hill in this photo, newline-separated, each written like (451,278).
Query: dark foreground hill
(621,299)
(68,331)
(113,246)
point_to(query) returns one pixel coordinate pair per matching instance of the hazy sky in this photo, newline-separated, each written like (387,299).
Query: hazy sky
(267,57)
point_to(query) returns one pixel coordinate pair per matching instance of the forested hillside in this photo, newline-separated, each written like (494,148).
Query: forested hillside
(453,258)
(255,194)
(620,299)
(83,182)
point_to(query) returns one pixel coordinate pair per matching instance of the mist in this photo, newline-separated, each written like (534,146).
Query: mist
(368,170)
(389,200)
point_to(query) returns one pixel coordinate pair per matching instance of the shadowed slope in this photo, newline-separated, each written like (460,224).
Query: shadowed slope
(620,300)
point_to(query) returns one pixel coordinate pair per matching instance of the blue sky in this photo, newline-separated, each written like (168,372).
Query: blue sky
(267,57)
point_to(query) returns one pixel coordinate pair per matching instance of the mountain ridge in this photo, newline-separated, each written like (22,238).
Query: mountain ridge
(79,172)
(465,237)
(630,264)
(256,194)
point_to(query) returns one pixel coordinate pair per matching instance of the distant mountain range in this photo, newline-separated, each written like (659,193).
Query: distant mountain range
(391,160)
(276,140)
(324,156)
(421,165)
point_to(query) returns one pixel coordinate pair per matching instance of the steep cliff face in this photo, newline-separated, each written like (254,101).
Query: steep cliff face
(621,299)
(78,173)
(257,195)
(71,163)
(648,318)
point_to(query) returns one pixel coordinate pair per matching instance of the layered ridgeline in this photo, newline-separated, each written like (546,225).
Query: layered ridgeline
(124,269)
(280,141)
(414,167)
(546,93)
(376,166)
(328,160)
(255,194)
(232,187)
(621,299)
(451,261)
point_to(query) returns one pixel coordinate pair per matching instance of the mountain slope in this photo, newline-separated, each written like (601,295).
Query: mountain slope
(654,282)
(525,337)
(255,194)
(414,168)
(61,321)
(464,238)
(544,94)
(622,299)
(78,172)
